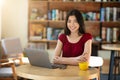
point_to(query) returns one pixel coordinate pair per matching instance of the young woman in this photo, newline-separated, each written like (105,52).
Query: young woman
(74,45)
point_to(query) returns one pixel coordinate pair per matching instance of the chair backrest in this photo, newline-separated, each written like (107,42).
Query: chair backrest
(13,49)
(11,46)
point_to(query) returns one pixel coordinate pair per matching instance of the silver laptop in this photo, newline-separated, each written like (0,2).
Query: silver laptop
(38,57)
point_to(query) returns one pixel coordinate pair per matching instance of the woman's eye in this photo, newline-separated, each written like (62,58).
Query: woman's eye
(75,21)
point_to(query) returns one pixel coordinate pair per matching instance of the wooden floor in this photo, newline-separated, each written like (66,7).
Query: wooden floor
(105,67)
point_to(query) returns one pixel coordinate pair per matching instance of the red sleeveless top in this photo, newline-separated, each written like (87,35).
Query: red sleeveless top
(73,49)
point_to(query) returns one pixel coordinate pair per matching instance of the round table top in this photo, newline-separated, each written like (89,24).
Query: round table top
(70,73)
(111,47)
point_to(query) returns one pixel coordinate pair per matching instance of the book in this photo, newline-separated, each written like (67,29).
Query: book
(53,14)
(60,15)
(64,15)
(109,35)
(103,33)
(89,16)
(49,33)
(102,16)
(57,17)
(49,15)
(114,14)
(115,34)
(107,13)
(55,33)
(37,30)
(118,14)
(52,33)
(111,14)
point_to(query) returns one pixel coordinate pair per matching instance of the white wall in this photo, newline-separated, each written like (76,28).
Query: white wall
(15,19)
(0,17)
(0,22)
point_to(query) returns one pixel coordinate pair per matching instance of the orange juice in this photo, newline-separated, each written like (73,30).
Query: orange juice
(83,65)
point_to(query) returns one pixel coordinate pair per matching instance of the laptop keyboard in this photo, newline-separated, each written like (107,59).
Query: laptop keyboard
(61,66)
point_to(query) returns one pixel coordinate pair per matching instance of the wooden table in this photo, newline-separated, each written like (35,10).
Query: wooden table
(71,73)
(113,48)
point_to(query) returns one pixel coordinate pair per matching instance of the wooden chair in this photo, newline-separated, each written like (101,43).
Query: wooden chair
(97,62)
(12,49)
(7,70)
(116,64)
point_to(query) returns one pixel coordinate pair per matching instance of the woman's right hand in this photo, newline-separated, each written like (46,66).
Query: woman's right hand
(57,60)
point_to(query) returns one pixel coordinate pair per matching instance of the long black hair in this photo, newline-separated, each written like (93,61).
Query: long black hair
(80,21)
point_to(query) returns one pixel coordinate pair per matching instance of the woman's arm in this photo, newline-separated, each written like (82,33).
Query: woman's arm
(58,48)
(87,51)
(74,60)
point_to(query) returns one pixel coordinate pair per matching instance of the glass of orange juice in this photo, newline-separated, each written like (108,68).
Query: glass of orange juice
(83,65)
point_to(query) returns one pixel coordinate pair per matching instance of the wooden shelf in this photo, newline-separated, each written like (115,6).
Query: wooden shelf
(53,41)
(61,23)
(111,24)
(57,21)
(43,41)
(111,4)
(105,42)
(38,21)
(83,6)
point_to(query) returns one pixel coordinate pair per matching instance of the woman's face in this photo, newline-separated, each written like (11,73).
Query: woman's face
(72,24)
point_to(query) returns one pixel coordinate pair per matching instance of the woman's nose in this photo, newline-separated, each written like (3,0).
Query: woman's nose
(72,23)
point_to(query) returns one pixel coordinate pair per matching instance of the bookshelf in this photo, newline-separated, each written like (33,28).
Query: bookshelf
(110,24)
(39,19)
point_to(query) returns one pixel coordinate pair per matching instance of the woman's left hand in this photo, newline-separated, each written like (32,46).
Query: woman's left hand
(83,58)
